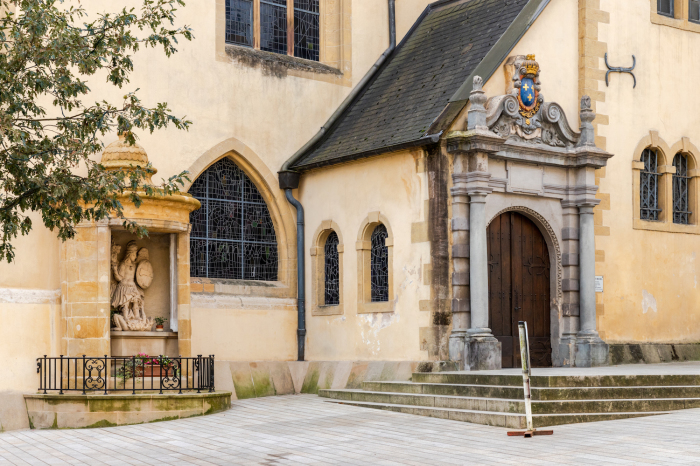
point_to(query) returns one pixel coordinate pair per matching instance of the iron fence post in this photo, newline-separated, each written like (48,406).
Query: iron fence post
(211,373)
(84,375)
(160,363)
(106,377)
(133,375)
(199,373)
(60,380)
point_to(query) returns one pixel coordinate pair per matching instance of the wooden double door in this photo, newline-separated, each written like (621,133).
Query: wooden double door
(519,288)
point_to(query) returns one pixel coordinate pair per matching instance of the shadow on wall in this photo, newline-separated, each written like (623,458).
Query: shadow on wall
(256,379)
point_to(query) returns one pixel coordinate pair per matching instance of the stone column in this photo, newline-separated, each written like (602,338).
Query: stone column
(460,262)
(484,351)
(590,349)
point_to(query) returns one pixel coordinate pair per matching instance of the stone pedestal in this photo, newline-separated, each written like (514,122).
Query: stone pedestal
(591,352)
(482,354)
(151,343)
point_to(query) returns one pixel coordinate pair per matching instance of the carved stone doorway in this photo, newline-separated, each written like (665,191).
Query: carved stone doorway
(519,288)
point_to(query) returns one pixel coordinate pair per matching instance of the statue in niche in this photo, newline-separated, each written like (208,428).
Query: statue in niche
(133,275)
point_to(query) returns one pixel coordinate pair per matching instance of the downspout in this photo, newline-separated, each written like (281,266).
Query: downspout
(289,179)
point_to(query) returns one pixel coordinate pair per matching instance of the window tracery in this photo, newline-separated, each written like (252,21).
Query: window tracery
(232,234)
(331,271)
(379,264)
(681,181)
(649,186)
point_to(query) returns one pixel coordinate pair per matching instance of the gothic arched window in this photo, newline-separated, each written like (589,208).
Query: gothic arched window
(680,190)
(379,264)
(649,186)
(332,271)
(232,233)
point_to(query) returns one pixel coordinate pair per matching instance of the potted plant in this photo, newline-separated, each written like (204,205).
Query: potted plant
(159,323)
(161,366)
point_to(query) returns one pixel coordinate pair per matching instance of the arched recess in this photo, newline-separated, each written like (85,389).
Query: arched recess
(555,259)
(691,152)
(318,307)
(364,249)
(283,220)
(665,170)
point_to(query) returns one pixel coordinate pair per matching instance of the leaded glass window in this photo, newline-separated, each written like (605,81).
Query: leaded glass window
(332,271)
(694,11)
(232,233)
(665,7)
(239,22)
(680,190)
(273,26)
(306,29)
(379,264)
(649,186)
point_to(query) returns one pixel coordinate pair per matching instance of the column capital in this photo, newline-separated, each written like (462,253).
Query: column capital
(586,209)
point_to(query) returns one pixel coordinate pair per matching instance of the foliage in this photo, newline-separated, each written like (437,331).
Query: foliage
(50,133)
(160,320)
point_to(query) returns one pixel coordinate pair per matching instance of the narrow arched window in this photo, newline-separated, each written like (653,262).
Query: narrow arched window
(232,233)
(680,190)
(332,271)
(649,186)
(379,264)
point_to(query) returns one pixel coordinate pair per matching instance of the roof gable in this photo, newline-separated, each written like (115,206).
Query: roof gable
(423,74)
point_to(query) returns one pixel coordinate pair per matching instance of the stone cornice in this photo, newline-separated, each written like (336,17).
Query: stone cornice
(477,140)
(585,156)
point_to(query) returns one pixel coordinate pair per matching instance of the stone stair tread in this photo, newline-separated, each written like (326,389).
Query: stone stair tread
(516,400)
(630,387)
(496,413)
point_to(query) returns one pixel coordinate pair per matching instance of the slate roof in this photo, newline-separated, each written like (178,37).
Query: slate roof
(415,84)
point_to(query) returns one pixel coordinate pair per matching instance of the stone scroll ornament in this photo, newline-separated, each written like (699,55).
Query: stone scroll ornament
(524,115)
(131,276)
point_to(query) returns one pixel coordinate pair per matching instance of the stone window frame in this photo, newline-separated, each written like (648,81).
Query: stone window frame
(318,306)
(284,222)
(364,269)
(335,45)
(667,170)
(680,19)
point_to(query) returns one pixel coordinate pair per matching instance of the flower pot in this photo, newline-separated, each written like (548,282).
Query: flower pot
(155,370)
(159,328)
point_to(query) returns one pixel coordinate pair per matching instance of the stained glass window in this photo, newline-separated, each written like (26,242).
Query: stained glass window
(649,186)
(665,7)
(273,26)
(232,234)
(239,22)
(379,264)
(332,270)
(680,190)
(306,29)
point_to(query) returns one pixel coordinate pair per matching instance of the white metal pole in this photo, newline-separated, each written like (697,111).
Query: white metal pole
(525,360)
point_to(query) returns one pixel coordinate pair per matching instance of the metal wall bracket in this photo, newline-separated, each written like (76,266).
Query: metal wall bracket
(615,69)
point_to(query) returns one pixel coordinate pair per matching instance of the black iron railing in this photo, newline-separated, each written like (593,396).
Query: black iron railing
(122,374)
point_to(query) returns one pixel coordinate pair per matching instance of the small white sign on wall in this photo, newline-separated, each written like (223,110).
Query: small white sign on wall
(598,283)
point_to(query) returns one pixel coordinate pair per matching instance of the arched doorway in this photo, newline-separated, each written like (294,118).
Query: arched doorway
(519,288)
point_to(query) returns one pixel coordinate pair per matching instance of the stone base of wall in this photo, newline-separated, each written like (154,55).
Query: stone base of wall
(77,411)
(651,353)
(257,379)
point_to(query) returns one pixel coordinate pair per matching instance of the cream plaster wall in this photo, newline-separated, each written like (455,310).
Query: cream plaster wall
(366,188)
(651,278)
(553,39)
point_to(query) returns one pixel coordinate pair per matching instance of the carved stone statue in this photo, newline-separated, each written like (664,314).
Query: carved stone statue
(133,274)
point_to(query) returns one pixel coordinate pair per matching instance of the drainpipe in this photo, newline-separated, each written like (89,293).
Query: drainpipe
(289,179)
(301,294)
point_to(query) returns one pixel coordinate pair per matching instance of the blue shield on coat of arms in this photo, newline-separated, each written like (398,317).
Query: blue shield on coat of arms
(527,92)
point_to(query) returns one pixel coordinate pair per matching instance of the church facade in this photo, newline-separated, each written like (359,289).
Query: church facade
(479,163)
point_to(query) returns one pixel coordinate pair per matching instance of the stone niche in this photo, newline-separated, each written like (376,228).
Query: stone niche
(87,279)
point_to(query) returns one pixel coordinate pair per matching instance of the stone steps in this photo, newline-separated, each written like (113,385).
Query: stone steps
(537,393)
(490,418)
(496,399)
(515,406)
